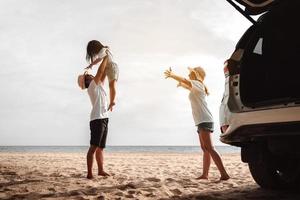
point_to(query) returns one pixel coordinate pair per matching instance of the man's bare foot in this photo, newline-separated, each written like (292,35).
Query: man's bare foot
(103,173)
(89,176)
(202,177)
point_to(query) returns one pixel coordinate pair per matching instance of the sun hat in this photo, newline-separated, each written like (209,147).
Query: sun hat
(81,80)
(199,73)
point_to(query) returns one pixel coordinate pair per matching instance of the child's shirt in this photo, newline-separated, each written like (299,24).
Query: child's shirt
(200,109)
(111,70)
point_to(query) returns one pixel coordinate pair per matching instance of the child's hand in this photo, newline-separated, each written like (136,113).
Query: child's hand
(93,63)
(89,67)
(168,73)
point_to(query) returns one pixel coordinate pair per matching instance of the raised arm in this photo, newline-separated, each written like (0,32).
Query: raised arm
(181,84)
(93,63)
(101,71)
(182,81)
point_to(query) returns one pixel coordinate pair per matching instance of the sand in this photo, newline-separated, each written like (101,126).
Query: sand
(134,176)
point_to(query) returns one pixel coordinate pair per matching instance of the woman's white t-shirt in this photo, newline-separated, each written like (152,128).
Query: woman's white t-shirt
(200,109)
(99,101)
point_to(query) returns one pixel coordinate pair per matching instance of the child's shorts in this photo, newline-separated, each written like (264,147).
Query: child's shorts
(208,126)
(99,129)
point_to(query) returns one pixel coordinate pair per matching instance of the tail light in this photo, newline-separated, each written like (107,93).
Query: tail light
(224,128)
(231,67)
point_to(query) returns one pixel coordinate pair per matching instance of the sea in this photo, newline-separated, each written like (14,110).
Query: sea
(125,149)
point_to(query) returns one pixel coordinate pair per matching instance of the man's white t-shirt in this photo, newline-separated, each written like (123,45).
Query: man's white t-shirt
(99,101)
(200,110)
(97,93)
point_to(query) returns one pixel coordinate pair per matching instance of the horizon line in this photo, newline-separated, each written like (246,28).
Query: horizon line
(108,145)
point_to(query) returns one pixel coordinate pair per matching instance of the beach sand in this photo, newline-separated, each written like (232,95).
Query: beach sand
(134,176)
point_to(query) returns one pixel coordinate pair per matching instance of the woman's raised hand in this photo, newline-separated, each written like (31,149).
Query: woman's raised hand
(168,73)
(179,84)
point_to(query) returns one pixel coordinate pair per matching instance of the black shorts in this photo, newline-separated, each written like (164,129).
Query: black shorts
(99,128)
(209,126)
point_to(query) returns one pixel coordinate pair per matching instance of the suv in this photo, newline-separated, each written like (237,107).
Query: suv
(260,109)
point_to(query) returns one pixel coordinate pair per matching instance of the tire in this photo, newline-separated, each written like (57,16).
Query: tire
(276,173)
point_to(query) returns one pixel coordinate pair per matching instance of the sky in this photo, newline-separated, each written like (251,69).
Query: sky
(42,51)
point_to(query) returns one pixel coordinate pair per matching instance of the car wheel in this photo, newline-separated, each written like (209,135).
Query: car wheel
(276,173)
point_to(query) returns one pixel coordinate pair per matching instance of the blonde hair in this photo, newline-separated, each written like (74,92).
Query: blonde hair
(200,75)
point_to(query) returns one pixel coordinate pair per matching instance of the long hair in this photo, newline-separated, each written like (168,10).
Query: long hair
(92,49)
(205,87)
(200,75)
(206,90)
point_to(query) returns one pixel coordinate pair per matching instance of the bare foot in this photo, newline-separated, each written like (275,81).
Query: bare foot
(225,177)
(103,173)
(202,177)
(89,176)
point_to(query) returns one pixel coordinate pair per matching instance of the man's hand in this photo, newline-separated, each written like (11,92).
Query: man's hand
(111,105)
(168,73)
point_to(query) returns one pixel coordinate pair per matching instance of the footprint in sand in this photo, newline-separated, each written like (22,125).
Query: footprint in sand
(77,175)
(119,194)
(52,189)
(170,179)
(176,191)
(130,196)
(74,193)
(80,198)
(92,191)
(153,179)
(150,195)
(121,179)
(131,191)
(70,168)
(11,173)
(148,189)
(55,175)
(101,197)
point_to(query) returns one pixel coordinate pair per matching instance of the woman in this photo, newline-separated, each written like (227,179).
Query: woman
(202,117)
(97,53)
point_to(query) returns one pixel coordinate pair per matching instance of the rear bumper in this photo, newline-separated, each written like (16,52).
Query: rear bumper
(248,126)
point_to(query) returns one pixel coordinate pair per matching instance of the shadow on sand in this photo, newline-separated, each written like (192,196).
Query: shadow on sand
(249,192)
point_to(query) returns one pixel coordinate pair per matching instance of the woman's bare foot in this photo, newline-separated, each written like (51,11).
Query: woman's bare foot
(89,176)
(202,177)
(103,173)
(224,177)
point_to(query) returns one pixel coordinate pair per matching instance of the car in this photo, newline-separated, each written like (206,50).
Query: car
(260,109)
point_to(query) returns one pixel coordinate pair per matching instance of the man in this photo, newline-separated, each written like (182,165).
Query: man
(97,53)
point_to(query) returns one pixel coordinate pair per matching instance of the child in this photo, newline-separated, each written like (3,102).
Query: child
(97,53)
(202,117)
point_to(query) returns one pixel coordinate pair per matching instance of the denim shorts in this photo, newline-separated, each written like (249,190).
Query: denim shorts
(208,126)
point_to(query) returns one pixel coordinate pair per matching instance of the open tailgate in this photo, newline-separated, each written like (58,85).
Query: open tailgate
(256,7)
